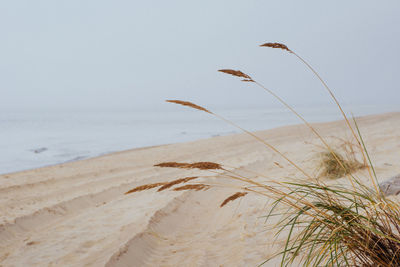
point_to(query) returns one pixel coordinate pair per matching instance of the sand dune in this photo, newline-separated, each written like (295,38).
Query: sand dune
(76,214)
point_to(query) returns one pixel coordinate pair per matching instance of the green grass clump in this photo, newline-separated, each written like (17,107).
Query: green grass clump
(338,226)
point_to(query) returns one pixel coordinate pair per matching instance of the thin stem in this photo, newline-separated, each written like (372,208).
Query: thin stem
(343,114)
(306,123)
(265,143)
(329,91)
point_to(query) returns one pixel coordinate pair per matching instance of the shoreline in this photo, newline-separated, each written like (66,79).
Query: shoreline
(76,213)
(83,158)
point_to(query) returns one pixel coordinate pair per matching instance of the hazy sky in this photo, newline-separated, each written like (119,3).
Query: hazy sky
(97,54)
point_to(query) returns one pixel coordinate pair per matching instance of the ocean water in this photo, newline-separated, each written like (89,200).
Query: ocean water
(32,139)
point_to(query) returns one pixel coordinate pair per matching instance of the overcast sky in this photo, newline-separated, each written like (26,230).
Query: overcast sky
(97,54)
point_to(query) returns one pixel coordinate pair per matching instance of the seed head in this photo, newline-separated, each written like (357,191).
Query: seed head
(277,45)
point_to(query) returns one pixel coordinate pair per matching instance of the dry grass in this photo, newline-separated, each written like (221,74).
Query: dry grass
(175,182)
(238,73)
(203,165)
(196,187)
(188,104)
(324,225)
(168,185)
(276,45)
(233,197)
(144,187)
(171,165)
(335,165)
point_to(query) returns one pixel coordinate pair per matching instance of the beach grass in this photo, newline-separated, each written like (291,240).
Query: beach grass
(334,165)
(322,223)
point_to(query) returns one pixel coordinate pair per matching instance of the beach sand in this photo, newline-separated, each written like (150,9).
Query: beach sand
(76,214)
